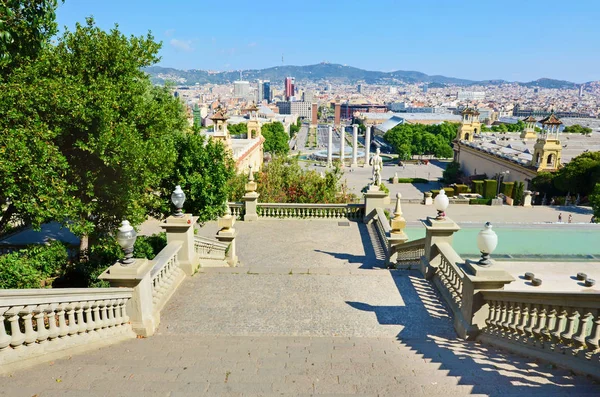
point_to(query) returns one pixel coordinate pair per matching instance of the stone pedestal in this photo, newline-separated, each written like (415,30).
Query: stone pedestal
(438,231)
(250,201)
(527,198)
(136,275)
(374,198)
(474,311)
(395,178)
(496,202)
(227,234)
(427,200)
(182,229)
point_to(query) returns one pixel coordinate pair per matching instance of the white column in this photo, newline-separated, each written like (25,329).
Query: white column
(342,144)
(329,146)
(354,144)
(367,145)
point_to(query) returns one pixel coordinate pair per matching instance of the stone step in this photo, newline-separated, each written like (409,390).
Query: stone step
(213,263)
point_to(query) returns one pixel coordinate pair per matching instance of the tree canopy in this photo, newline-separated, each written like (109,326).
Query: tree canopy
(517,127)
(419,139)
(276,139)
(579,176)
(577,129)
(238,129)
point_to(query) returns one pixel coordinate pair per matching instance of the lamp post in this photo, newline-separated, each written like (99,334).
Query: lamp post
(178,198)
(487,241)
(126,237)
(440,203)
(501,177)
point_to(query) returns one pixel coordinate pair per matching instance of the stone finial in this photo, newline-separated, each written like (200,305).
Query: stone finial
(251,186)
(398,222)
(250,175)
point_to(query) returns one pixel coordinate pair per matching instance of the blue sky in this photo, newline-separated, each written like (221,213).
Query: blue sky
(513,40)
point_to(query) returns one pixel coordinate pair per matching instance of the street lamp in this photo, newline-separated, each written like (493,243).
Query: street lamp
(178,198)
(126,238)
(440,203)
(487,241)
(501,176)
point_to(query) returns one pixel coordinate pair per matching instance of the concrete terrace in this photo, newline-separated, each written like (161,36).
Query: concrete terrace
(310,311)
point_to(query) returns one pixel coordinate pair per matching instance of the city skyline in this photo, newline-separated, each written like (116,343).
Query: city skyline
(517,42)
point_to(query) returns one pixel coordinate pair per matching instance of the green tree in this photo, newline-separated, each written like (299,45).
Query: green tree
(276,139)
(203,168)
(26,27)
(452,173)
(238,129)
(419,139)
(577,129)
(580,175)
(595,201)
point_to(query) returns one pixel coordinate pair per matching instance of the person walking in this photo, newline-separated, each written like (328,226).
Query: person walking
(570,218)
(560,217)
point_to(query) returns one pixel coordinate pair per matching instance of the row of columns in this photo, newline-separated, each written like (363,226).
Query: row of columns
(343,146)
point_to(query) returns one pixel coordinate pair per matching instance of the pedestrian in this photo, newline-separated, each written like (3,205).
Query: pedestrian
(593,220)
(560,218)
(570,218)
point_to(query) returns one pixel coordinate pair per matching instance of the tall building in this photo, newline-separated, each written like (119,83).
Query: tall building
(425,88)
(308,96)
(259,91)
(266,91)
(289,87)
(359,88)
(241,89)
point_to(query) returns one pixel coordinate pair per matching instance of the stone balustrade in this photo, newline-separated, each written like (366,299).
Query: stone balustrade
(165,275)
(563,328)
(410,253)
(449,277)
(237,209)
(37,322)
(310,211)
(207,248)
(382,226)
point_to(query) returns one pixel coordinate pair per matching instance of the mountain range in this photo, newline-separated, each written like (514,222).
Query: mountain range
(333,73)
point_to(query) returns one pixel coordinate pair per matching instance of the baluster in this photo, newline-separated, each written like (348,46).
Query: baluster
(71,315)
(97,318)
(27,316)
(40,325)
(53,329)
(498,316)
(492,306)
(120,312)
(541,323)
(4,337)
(17,337)
(63,329)
(532,323)
(561,323)
(592,341)
(516,317)
(89,314)
(82,326)
(103,314)
(524,319)
(585,325)
(551,324)
(110,307)
(571,324)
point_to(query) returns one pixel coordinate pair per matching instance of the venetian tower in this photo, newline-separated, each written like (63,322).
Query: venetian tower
(469,126)
(220,127)
(253,123)
(529,132)
(547,148)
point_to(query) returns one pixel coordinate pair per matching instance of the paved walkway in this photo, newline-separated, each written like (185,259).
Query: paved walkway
(310,313)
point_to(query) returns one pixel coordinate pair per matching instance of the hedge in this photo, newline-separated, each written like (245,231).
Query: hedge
(450,192)
(518,193)
(490,187)
(482,201)
(507,188)
(410,180)
(478,187)
(461,189)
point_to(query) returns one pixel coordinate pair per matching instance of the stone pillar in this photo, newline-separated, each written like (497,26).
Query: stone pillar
(367,145)
(527,198)
(473,310)
(227,234)
(374,198)
(329,146)
(250,199)
(427,200)
(354,145)
(140,310)
(438,231)
(314,114)
(397,235)
(337,114)
(182,229)
(342,145)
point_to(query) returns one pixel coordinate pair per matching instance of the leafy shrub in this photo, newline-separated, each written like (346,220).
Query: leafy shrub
(507,188)
(461,189)
(517,194)
(450,192)
(149,246)
(30,267)
(18,273)
(482,201)
(452,173)
(478,187)
(384,188)
(490,187)
(412,180)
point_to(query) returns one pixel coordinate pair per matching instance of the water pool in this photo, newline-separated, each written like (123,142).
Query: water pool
(543,243)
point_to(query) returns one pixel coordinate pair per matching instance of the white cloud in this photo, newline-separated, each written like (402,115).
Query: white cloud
(182,45)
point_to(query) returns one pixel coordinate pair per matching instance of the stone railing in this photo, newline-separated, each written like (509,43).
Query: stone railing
(563,328)
(410,253)
(382,226)
(311,211)
(42,322)
(449,276)
(165,275)
(237,209)
(207,248)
